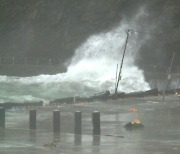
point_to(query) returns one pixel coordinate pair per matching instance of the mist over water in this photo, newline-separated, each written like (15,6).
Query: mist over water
(91,70)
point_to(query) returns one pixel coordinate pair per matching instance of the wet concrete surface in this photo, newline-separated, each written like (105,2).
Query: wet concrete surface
(160,135)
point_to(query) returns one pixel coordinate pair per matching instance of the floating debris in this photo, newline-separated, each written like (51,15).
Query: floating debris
(134,124)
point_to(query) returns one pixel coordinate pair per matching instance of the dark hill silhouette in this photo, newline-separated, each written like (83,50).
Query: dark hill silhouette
(55,28)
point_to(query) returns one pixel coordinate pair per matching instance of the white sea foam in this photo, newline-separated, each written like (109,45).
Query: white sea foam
(92,69)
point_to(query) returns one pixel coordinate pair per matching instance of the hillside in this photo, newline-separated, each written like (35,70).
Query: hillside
(55,28)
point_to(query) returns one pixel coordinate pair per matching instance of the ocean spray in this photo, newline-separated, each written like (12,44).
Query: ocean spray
(91,70)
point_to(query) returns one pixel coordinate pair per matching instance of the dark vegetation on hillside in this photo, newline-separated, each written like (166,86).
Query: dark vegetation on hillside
(55,28)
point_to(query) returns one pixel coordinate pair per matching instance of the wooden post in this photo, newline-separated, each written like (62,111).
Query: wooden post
(2,117)
(96,123)
(56,121)
(77,122)
(32,119)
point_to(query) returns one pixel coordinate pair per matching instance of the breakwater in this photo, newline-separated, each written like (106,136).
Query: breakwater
(104,96)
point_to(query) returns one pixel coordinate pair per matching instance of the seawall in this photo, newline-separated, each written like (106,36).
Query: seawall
(29,70)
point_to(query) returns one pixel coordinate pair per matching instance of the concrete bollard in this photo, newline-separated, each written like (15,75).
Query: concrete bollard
(32,119)
(96,123)
(77,122)
(56,121)
(2,117)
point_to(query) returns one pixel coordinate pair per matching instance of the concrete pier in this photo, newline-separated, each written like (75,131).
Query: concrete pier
(161,133)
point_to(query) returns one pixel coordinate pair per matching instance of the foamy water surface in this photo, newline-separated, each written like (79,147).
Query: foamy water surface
(91,70)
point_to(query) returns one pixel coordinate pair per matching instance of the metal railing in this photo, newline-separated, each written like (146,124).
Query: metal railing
(30,61)
(58,62)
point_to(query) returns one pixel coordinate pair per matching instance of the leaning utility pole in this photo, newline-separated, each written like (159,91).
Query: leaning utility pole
(168,76)
(119,76)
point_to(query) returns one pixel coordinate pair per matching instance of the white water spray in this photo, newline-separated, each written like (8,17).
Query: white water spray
(92,70)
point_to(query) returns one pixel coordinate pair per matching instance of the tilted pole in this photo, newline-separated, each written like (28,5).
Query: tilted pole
(119,76)
(116,76)
(169,76)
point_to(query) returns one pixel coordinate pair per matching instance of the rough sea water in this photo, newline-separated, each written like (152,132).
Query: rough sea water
(91,70)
